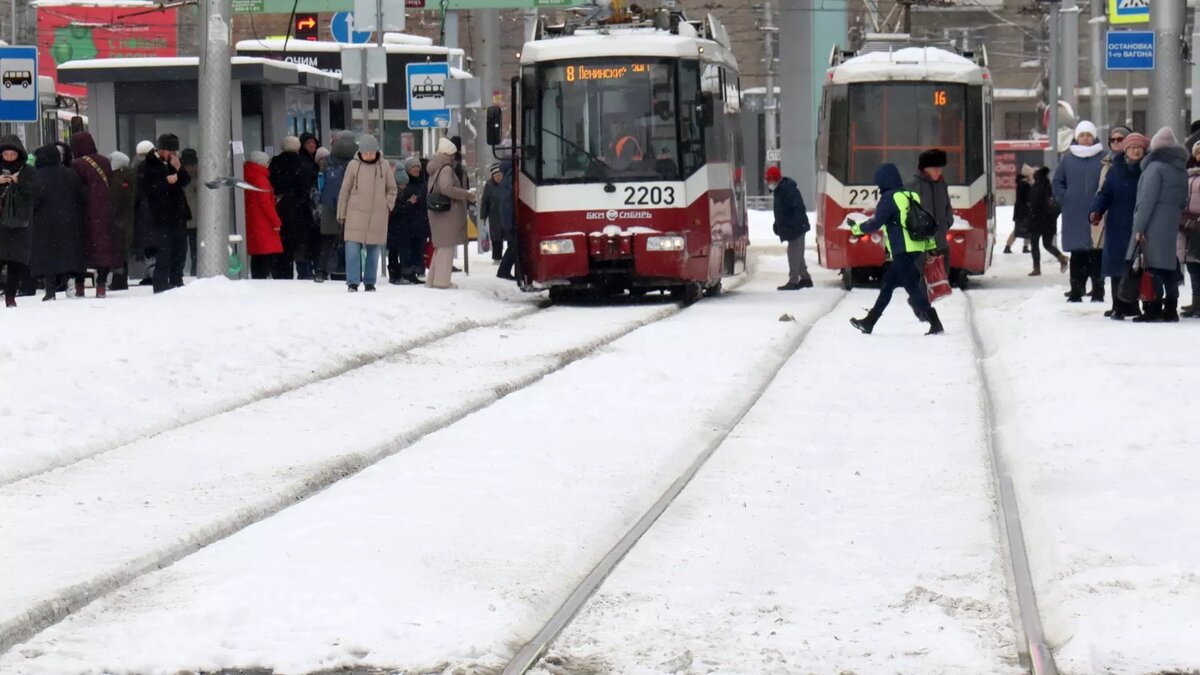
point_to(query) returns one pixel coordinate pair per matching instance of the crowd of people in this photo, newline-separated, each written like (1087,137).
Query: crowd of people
(1133,205)
(70,213)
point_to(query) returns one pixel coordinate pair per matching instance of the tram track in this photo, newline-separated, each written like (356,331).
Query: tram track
(124,567)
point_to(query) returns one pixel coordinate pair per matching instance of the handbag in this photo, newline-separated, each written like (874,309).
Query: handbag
(13,216)
(935,278)
(436,201)
(1129,289)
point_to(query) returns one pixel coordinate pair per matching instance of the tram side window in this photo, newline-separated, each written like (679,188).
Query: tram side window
(691,131)
(529,97)
(716,143)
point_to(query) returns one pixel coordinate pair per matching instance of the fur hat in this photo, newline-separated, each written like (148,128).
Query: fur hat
(144,148)
(934,158)
(260,158)
(291,144)
(1027,171)
(773,175)
(1136,141)
(119,160)
(168,142)
(368,144)
(446,146)
(1085,127)
(1165,138)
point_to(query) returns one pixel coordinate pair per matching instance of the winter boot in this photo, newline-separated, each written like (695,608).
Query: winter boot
(101,291)
(935,323)
(1037,271)
(50,295)
(120,282)
(79,288)
(10,301)
(1063,263)
(370,288)
(353,288)
(1007,250)
(412,278)
(867,323)
(1025,248)
(1171,310)
(806,282)
(1192,311)
(1152,313)
(789,286)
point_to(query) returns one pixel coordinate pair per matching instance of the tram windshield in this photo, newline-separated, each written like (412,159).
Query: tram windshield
(877,122)
(600,119)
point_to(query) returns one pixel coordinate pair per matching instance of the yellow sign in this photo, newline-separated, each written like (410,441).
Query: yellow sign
(1128,11)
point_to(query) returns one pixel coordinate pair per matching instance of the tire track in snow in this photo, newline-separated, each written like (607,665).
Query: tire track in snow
(1034,653)
(530,654)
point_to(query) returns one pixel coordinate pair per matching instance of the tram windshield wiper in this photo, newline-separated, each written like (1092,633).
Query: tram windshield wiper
(592,156)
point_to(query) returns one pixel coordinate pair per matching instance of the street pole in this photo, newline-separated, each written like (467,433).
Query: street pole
(1052,126)
(770,107)
(1099,88)
(365,91)
(450,39)
(1195,68)
(13,7)
(379,87)
(799,128)
(486,49)
(1069,63)
(1167,80)
(215,118)
(531,19)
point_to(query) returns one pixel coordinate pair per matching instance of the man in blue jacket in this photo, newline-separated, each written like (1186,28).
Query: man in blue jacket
(907,253)
(791,224)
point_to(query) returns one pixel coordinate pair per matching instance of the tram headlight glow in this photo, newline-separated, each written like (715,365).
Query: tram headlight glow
(668,243)
(557,247)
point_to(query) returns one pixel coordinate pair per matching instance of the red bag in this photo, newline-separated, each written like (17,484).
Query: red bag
(935,278)
(1146,289)
(428,253)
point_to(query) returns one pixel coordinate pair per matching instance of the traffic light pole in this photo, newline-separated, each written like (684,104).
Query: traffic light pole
(1167,80)
(1052,126)
(215,116)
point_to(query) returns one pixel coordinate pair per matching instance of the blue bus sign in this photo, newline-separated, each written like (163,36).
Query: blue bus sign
(1130,50)
(18,84)
(426,84)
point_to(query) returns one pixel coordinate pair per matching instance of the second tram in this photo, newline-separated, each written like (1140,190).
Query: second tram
(628,173)
(890,105)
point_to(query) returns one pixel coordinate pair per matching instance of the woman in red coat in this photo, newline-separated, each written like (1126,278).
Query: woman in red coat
(101,245)
(262,221)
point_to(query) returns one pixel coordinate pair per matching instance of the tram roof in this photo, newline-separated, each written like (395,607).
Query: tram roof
(909,63)
(625,42)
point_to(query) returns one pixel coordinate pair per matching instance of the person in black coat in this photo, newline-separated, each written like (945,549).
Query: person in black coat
(57,220)
(163,186)
(791,224)
(1021,210)
(509,267)
(490,210)
(294,179)
(408,228)
(1043,220)
(19,189)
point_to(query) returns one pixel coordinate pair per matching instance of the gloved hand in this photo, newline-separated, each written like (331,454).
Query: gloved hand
(1094,218)
(855,228)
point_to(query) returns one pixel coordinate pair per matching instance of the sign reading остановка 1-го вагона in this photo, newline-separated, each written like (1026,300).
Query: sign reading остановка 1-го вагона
(1130,50)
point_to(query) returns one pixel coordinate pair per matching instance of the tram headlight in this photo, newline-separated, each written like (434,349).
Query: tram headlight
(557,247)
(669,243)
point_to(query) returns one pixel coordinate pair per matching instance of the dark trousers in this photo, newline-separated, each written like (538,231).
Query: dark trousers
(261,266)
(1193,270)
(497,243)
(1166,283)
(1046,240)
(171,244)
(1119,307)
(12,282)
(508,263)
(409,254)
(327,257)
(904,273)
(192,250)
(1087,265)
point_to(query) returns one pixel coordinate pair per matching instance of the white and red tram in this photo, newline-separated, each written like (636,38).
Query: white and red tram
(889,105)
(629,159)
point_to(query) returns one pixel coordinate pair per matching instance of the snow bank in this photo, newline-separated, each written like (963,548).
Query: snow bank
(83,376)
(455,550)
(840,529)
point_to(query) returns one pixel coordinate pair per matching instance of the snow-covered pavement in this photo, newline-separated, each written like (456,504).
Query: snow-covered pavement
(83,376)
(1094,424)
(841,528)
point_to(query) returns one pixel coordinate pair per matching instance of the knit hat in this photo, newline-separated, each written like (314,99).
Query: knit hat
(494,170)
(119,160)
(1085,127)
(189,157)
(368,144)
(411,162)
(168,142)
(322,153)
(401,176)
(931,159)
(1027,171)
(1119,129)
(446,146)
(774,175)
(291,144)
(259,157)
(1165,138)
(1136,141)
(144,148)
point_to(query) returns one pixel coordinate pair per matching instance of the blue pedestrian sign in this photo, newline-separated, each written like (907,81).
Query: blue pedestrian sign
(18,84)
(427,95)
(1130,50)
(341,27)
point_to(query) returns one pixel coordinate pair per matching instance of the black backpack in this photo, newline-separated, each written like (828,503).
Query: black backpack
(922,226)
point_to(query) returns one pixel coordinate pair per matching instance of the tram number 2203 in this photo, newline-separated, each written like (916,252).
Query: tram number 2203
(863,196)
(649,196)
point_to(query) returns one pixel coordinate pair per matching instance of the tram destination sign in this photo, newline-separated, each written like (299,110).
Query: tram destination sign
(1130,50)
(332,6)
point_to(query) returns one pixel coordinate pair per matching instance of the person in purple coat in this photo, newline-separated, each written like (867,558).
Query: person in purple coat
(101,245)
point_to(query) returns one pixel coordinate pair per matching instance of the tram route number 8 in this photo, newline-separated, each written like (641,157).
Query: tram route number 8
(649,196)
(863,196)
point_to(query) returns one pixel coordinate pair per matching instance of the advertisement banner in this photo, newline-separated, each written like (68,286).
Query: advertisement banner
(77,33)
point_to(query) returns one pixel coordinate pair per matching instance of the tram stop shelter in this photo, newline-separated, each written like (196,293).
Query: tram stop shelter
(136,99)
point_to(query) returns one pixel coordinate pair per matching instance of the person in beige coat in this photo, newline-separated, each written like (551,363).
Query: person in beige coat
(367,197)
(448,229)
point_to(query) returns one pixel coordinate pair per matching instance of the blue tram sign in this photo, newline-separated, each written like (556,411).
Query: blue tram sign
(18,84)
